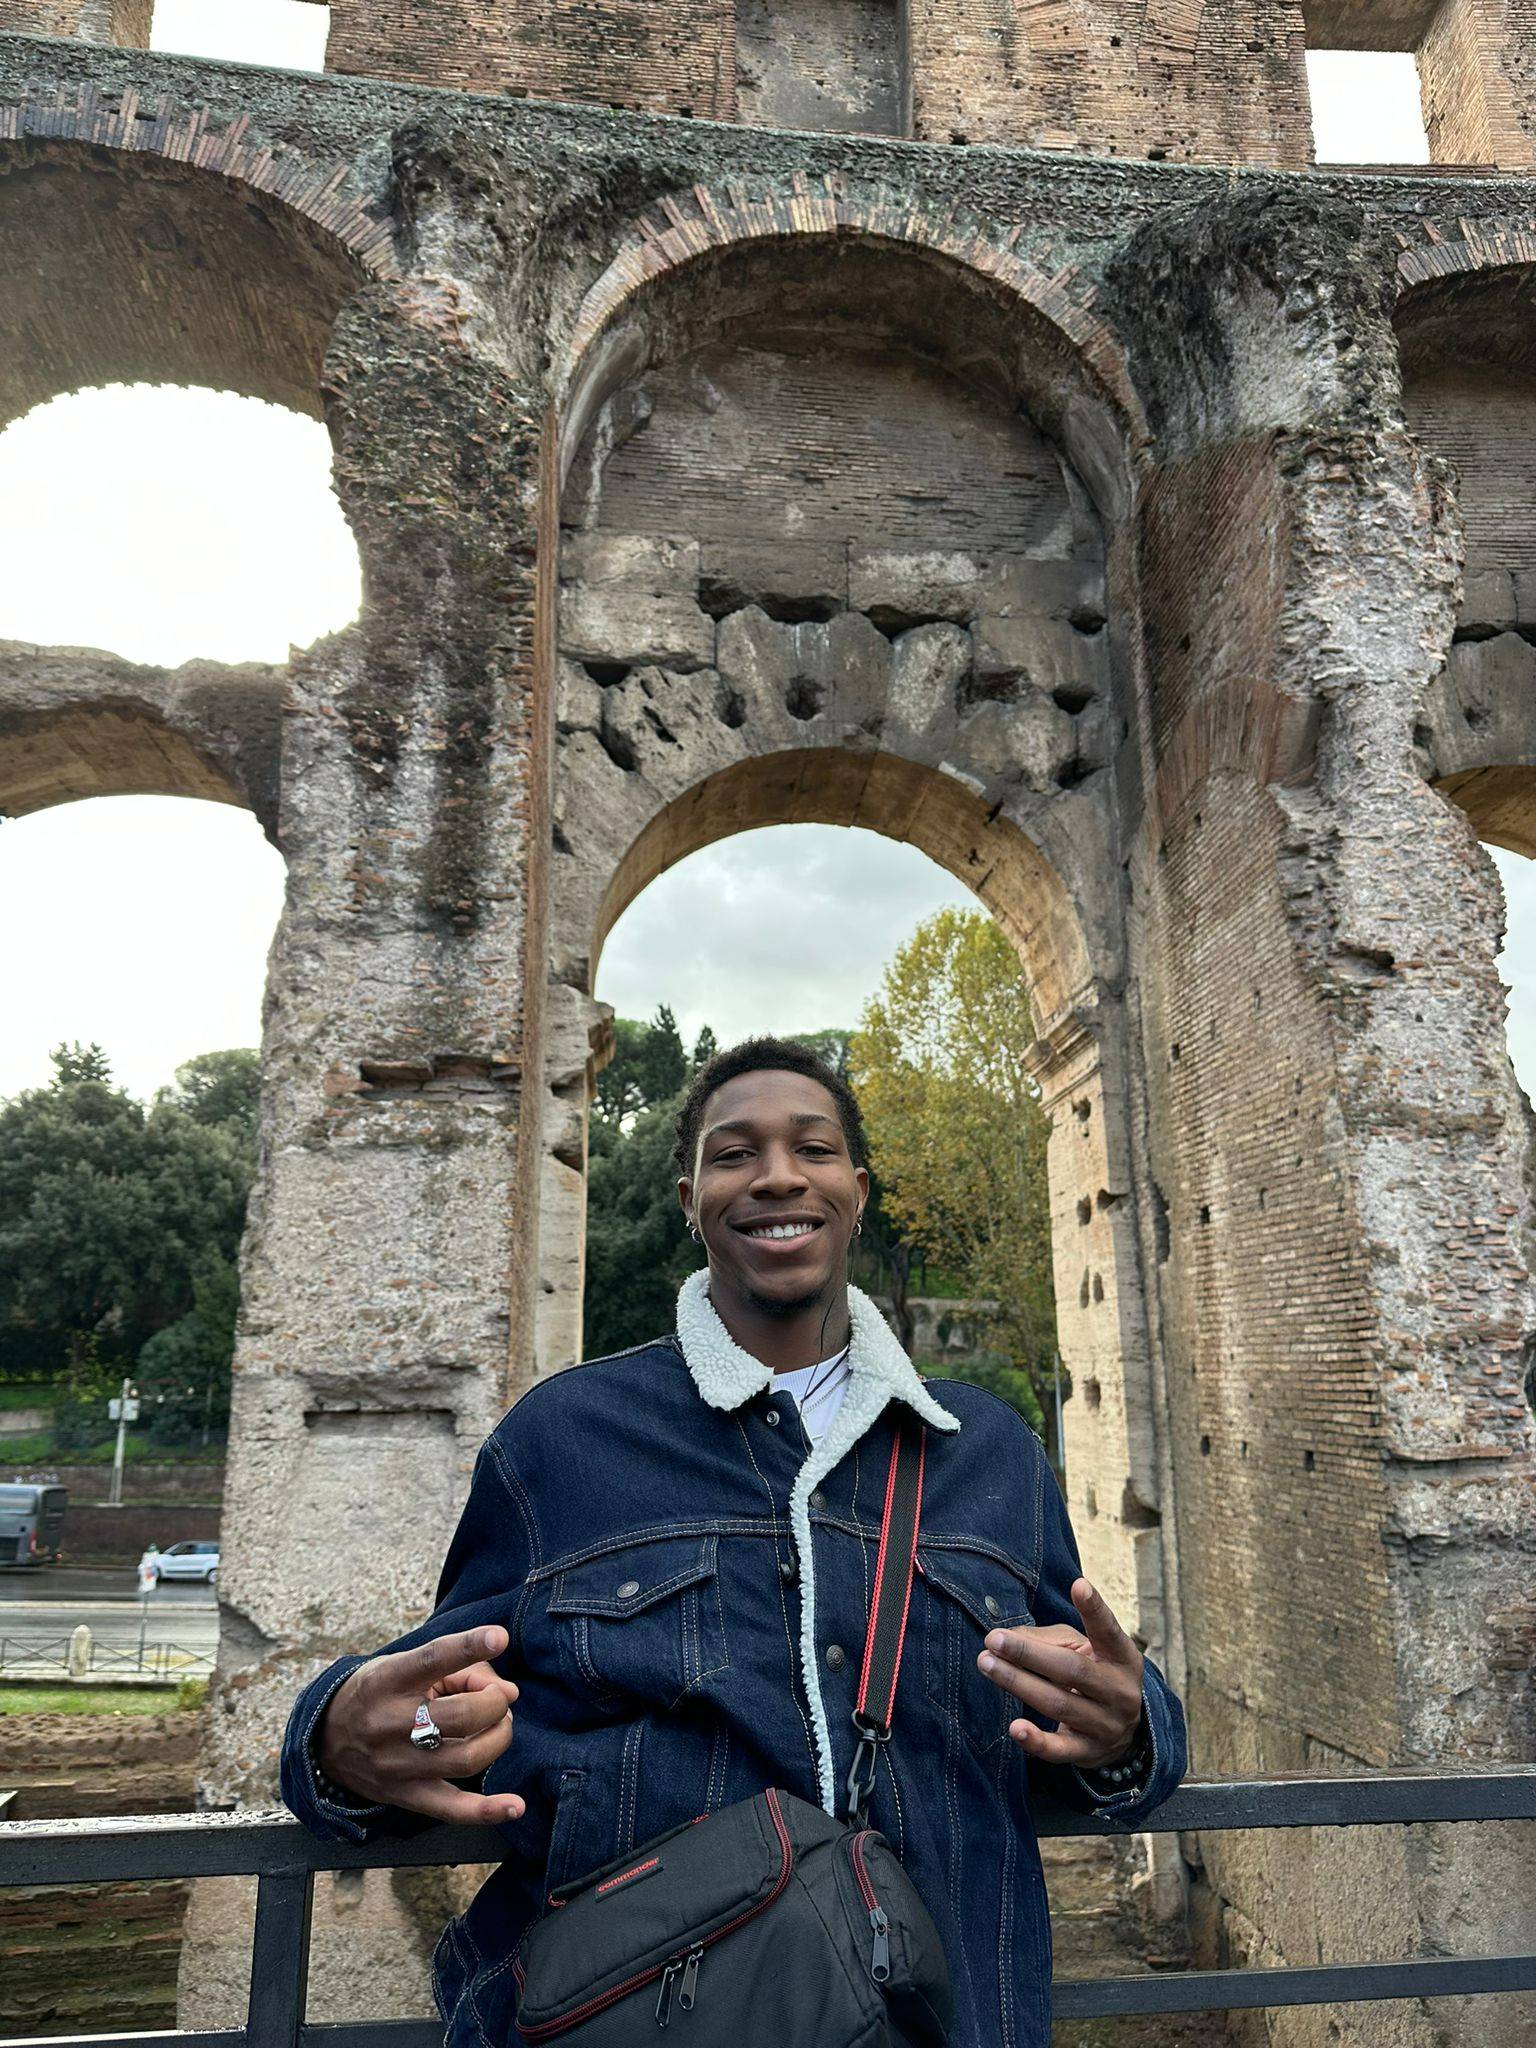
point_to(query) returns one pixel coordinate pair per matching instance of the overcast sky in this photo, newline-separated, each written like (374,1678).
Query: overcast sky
(143,923)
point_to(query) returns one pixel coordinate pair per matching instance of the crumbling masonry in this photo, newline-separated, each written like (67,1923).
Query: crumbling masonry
(1137,520)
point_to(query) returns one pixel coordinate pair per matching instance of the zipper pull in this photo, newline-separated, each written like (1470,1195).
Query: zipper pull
(880,1961)
(689,1991)
(664,1995)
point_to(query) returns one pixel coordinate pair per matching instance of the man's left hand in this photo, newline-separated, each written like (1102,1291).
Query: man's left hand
(1089,1684)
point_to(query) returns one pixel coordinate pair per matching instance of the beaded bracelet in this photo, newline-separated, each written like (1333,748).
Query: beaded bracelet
(1131,1769)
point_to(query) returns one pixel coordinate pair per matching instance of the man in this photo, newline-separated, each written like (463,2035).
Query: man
(665,1561)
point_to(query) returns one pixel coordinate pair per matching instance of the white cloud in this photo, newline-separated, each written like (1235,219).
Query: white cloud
(140,922)
(207,526)
(1366,107)
(779,930)
(287,34)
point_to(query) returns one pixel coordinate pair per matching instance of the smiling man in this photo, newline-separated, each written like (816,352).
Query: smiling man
(665,1562)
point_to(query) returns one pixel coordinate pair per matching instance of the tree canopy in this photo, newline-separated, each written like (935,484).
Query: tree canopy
(958,1136)
(120,1223)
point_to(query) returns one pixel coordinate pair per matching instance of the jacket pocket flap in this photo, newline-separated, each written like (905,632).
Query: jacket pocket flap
(993,1594)
(633,1576)
(678,1892)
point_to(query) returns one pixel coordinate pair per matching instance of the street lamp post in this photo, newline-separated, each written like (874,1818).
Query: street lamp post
(122,1410)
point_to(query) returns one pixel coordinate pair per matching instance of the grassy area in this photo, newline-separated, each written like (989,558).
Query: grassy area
(40,1450)
(29,1393)
(101,1699)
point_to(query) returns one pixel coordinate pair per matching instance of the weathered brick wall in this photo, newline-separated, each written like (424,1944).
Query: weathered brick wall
(657,56)
(1218,83)
(833,65)
(124,22)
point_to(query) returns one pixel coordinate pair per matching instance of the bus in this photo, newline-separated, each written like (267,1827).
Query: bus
(31,1523)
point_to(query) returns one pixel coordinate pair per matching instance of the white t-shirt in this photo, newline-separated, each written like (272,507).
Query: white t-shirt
(818,1391)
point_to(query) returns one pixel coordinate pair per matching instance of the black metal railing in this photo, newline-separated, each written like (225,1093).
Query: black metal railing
(283,1859)
(37,1656)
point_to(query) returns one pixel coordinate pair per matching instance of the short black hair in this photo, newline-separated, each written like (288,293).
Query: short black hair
(765,1055)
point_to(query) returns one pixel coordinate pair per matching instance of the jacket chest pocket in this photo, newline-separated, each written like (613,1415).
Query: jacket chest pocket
(966,1593)
(642,1620)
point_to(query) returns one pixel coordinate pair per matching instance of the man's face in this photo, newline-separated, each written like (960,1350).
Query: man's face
(774,1192)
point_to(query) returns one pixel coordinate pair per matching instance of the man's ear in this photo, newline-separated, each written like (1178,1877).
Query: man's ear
(861,1182)
(685,1197)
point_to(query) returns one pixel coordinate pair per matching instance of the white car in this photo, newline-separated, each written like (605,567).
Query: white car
(187,1561)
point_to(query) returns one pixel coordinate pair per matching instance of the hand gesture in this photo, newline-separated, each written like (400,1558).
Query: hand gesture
(1089,1684)
(365,1736)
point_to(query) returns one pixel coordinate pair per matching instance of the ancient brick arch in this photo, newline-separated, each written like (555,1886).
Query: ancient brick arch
(141,244)
(146,243)
(839,515)
(1464,326)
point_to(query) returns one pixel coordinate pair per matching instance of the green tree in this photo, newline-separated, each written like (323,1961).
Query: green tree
(220,1088)
(958,1137)
(106,1210)
(638,1248)
(183,1371)
(705,1046)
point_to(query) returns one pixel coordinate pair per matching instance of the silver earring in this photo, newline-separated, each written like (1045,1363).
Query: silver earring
(695,1233)
(858,1226)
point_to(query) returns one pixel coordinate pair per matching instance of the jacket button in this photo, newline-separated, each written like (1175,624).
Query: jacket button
(992,1606)
(771,1417)
(789,1571)
(629,1589)
(819,1500)
(837,1657)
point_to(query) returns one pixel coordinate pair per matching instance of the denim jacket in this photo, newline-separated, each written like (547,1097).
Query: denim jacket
(686,1585)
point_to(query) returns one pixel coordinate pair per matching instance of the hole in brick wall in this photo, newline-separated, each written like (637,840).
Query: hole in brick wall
(1092,1392)
(1098,1287)
(1205,1447)
(1072,698)
(1082,1110)
(1084,1209)
(1263,1197)
(1205,1212)
(1105,1199)
(1367,107)
(1087,621)
(1082,1292)
(286,35)
(607,674)
(1073,773)
(1090,1503)
(1173,1054)
(1309,1460)
(804,698)
(559,840)
(1160,1223)
(1242,1449)
(733,711)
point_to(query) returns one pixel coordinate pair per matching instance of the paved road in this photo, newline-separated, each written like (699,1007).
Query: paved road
(40,1609)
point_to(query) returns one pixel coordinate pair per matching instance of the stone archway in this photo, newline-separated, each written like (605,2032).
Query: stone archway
(839,523)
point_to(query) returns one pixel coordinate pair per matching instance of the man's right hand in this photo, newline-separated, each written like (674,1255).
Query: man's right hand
(365,1736)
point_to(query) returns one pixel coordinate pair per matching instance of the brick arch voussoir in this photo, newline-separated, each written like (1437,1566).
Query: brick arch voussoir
(1481,246)
(701,222)
(324,194)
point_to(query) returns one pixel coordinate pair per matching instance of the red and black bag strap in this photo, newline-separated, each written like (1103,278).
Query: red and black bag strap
(889,1603)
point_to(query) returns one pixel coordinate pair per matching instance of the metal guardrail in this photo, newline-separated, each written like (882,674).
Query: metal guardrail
(31,1656)
(283,1859)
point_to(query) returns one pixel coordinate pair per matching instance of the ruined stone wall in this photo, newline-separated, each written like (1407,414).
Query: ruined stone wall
(1058,517)
(124,22)
(640,54)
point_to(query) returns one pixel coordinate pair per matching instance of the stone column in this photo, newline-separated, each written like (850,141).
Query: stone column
(386,1293)
(1336,1148)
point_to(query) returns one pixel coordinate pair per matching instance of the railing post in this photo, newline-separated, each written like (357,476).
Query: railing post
(280,1960)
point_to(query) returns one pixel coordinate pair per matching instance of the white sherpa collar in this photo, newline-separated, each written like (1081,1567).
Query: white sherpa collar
(726,1376)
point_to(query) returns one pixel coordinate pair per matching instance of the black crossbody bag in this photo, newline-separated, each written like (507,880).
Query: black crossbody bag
(768,1921)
